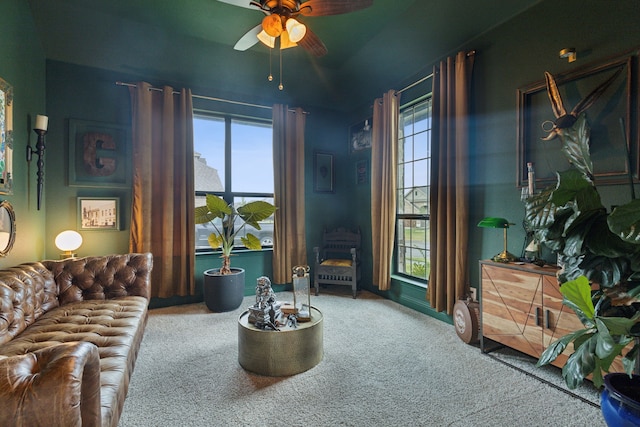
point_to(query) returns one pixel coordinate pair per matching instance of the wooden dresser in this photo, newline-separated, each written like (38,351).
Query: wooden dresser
(521,307)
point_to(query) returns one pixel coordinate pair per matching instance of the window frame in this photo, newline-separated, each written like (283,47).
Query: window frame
(426,217)
(227,194)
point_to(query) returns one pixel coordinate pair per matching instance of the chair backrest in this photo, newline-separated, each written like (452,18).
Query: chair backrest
(338,243)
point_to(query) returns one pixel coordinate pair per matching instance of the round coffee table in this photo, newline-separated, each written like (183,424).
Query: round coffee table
(280,353)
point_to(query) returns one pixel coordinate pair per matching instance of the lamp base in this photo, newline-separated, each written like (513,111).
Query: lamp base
(505,256)
(67,255)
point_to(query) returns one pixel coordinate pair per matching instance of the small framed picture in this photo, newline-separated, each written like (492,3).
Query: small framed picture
(323,172)
(360,135)
(98,213)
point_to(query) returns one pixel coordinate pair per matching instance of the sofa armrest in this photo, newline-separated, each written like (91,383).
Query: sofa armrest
(102,277)
(53,386)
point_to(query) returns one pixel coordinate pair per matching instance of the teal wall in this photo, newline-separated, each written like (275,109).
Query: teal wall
(87,94)
(509,56)
(515,55)
(22,65)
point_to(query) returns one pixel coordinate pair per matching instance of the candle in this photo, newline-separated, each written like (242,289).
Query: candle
(531,176)
(41,122)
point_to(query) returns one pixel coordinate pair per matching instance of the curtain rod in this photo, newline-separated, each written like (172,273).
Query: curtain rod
(208,98)
(470,53)
(415,83)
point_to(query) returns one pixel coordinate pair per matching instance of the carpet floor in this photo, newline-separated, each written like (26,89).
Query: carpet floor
(383,365)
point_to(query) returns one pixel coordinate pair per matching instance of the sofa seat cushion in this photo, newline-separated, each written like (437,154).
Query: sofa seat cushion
(115,326)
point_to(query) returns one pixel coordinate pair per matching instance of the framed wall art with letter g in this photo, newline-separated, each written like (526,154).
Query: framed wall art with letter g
(99,155)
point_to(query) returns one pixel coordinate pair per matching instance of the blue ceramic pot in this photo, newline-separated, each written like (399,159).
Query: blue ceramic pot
(620,400)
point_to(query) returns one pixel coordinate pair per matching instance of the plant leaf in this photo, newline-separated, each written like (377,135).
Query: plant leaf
(217,206)
(629,359)
(580,364)
(602,241)
(202,215)
(214,240)
(620,325)
(557,347)
(251,241)
(604,342)
(570,183)
(624,222)
(578,292)
(254,212)
(575,145)
(539,211)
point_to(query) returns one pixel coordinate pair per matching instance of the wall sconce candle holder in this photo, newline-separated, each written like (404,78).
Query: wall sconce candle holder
(40,129)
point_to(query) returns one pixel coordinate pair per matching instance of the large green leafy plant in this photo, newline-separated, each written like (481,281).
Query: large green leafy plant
(600,253)
(227,228)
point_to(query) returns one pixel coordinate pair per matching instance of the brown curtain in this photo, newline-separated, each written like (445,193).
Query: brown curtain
(449,214)
(384,142)
(162,211)
(289,243)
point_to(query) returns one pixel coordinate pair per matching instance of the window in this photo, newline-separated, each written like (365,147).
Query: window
(233,158)
(414,163)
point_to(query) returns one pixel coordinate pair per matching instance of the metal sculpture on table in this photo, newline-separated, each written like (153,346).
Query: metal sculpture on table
(266,312)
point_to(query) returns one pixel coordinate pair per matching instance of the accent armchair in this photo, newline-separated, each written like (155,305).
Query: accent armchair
(337,261)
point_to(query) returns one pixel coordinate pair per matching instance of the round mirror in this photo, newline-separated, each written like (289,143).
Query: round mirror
(7,227)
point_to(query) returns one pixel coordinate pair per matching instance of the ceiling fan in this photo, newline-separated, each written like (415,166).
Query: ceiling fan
(281,22)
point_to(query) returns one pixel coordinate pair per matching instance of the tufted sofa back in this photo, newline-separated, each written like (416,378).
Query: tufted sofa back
(101,277)
(30,290)
(26,292)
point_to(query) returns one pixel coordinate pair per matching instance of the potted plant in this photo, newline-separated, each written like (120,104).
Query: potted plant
(224,287)
(600,257)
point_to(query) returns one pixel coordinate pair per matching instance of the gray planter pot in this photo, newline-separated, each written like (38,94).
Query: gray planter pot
(223,293)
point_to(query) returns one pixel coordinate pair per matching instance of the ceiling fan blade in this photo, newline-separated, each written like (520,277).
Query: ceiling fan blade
(313,44)
(332,7)
(249,39)
(239,3)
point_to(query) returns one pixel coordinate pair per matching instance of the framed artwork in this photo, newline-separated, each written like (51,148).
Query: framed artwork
(98,213)
(362,171)
(323,172)
(612,118)
(6,138)
(360,135)
(99,155)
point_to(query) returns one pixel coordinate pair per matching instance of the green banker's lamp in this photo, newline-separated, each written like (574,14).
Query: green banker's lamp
(493,222)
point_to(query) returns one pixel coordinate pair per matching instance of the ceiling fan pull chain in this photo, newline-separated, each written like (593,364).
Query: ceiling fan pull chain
(280,86)
(270,78)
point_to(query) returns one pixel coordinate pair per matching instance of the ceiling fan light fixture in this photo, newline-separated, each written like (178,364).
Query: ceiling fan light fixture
(285,41)
(296,30)
(265,38)
(272,25)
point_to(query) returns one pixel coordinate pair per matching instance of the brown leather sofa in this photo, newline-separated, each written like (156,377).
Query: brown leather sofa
(70,331)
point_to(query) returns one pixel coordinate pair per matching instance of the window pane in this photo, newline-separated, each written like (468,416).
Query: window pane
(422,145)
(208,143)
(422,111)
(420,173)
(252,157)
(265,234)
(407,149)
(412,255)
